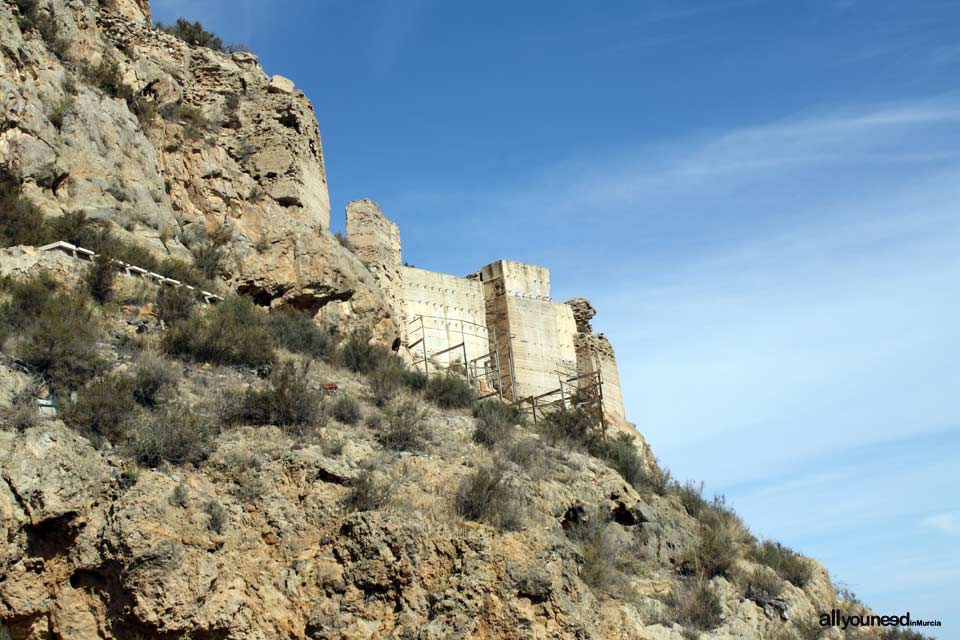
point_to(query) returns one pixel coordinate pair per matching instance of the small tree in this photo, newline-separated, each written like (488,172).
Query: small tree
(100,279)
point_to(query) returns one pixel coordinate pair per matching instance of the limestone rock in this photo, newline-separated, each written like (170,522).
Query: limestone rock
(198,140)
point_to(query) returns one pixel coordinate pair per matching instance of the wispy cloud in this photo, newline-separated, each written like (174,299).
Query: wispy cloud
(948,523)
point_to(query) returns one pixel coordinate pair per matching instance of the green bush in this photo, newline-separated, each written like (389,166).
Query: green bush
(192,33)
(297,332)
(691,496)
(61,111)
(100,279)
(208,259)
(231,332)
(26,299)
(404,428)
(175,304)
(104,409)
(787,563)
(449,391)
(495,422)
(346,410)
(696,605)
(286,401)
(177,434)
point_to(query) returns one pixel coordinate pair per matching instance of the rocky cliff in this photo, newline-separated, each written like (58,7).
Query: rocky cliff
(106,115)
(159,502)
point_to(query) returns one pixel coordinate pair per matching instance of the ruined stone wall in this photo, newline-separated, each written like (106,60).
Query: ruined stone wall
(536,332)
(595,350)
(375,240)
(453,310)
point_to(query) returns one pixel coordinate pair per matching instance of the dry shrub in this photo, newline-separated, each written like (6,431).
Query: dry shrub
(287,400)
(231,332)
(486,496)
(722,537)
(449,391)
(175,304)
(346,410)
(368,491)
(177,434)
(495,422)
(403,427)
(154,378)
(695,605)
(786,562)
(104,409)
(297,332)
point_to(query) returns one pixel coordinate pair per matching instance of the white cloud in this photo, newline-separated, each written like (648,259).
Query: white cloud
(948,523)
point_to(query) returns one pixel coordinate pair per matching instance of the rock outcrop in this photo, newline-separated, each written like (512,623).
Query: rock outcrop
(106,115)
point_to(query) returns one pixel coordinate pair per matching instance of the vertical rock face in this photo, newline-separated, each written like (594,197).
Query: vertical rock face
(375,240)
(170,142)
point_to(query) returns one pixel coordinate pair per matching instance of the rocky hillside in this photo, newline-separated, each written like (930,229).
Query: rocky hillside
(177,470)
(107,116)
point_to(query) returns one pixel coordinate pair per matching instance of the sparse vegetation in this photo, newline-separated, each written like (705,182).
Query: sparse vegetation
(104,409)
(404,427)
(153,379)
(177,434)
(449,391)
(100,278)
(175,304)
(179,496)
(495,422)
(286,401)
(216,515)
(787,563)
(387,379)
(229,333)
(63,109)
(346,410)
(297,332)
(357,354)
(722,538)
(194,33)
(368,491)
(60,341)
(695,605)
(486,496)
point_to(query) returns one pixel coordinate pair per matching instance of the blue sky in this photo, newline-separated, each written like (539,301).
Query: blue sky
(761,198)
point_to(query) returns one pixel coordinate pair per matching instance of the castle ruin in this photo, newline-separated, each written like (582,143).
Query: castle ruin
(499,324)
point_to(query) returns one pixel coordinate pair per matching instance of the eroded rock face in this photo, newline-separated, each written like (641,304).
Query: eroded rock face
(170,142)
(92,552)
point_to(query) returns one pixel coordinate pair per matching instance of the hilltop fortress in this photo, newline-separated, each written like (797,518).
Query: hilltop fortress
(499,324)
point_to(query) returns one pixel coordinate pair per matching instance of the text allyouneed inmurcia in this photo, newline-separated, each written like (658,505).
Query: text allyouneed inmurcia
(836,618)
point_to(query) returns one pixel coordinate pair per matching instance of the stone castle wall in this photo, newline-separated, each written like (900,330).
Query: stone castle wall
(453,311)
(536,331)
(505,306)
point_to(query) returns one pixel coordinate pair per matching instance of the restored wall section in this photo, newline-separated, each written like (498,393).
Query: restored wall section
(453,310)
(537,332)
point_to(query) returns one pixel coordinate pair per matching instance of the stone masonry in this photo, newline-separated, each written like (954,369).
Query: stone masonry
(505,305)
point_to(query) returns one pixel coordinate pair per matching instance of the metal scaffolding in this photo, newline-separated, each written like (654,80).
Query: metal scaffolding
(483,371)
